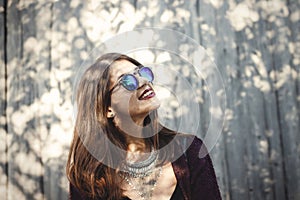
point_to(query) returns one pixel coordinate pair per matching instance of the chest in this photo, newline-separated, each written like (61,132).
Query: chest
(162,189)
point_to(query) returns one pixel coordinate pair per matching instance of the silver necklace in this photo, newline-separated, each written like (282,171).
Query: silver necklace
(144,186)
(142,176)
(141,168)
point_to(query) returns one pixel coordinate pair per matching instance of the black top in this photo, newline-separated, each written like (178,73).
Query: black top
(177,194)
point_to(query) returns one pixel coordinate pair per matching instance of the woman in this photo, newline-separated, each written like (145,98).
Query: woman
(119,149)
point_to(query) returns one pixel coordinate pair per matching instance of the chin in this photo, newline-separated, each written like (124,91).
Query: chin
(154,104)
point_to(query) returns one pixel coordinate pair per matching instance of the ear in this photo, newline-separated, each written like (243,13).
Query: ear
(110,113)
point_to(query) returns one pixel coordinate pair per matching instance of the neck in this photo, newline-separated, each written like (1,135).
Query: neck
(136,144)
(133,129)
(137,149)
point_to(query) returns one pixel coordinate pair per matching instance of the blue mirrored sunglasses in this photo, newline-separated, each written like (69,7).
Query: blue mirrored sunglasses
(130,82)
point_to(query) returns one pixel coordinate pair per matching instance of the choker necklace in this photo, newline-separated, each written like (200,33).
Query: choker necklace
(141,168)
(142,176)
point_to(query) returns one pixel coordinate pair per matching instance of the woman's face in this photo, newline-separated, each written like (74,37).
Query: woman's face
(136,104)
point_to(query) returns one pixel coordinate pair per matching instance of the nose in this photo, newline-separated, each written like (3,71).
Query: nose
(142,80)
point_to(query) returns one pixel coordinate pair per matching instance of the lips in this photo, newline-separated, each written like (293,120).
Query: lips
(147,94)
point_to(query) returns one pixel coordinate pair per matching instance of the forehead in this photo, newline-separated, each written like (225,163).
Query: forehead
(119,68)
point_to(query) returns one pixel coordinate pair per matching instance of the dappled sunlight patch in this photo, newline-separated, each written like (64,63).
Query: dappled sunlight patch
(21,118)
(273,8)
(30,164)
(163,57)
(215,3)
(263,146)
(54,143)
(282,76)
(209,29)
(259,64)
(229,114)
(147,55)
(242,15)
(216,112)
(261,84)
(295,16)
(166,16)
(292,115)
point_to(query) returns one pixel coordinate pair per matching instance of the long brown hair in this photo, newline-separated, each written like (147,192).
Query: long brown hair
(88,171)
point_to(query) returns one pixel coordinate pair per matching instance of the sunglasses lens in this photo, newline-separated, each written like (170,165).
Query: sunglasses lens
(129,82)
(147,73)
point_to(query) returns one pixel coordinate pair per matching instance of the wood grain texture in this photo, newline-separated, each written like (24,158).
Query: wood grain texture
(24,152)
(3,104)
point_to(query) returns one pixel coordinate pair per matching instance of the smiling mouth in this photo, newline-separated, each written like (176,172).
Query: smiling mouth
(147,94)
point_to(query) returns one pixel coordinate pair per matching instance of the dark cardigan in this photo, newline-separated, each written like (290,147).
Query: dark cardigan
(195,176)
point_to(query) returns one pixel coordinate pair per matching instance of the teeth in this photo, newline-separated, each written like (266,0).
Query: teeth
(146,94)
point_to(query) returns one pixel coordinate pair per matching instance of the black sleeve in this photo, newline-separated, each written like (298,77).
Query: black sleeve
(204,184)
(75,194)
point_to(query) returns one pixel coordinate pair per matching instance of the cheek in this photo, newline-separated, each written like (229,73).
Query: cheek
(121,103)
(133,103)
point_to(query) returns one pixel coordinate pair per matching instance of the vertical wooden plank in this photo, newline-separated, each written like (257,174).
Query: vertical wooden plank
(13,60)
(293,116)
(67,48)
(257,89)
(27,64)
(285,65)
(3,103)
(54,92)
(219,39)
(221,44)
(210,20)
(55,148)
(270,140)
(24,162)
(54,184)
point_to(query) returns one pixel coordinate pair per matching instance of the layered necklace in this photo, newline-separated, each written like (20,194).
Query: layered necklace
(142,176)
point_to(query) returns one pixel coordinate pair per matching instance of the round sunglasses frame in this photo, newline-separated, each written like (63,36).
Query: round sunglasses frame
(139,71)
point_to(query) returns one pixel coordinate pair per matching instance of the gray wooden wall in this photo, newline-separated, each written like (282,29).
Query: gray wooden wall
(255,44)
